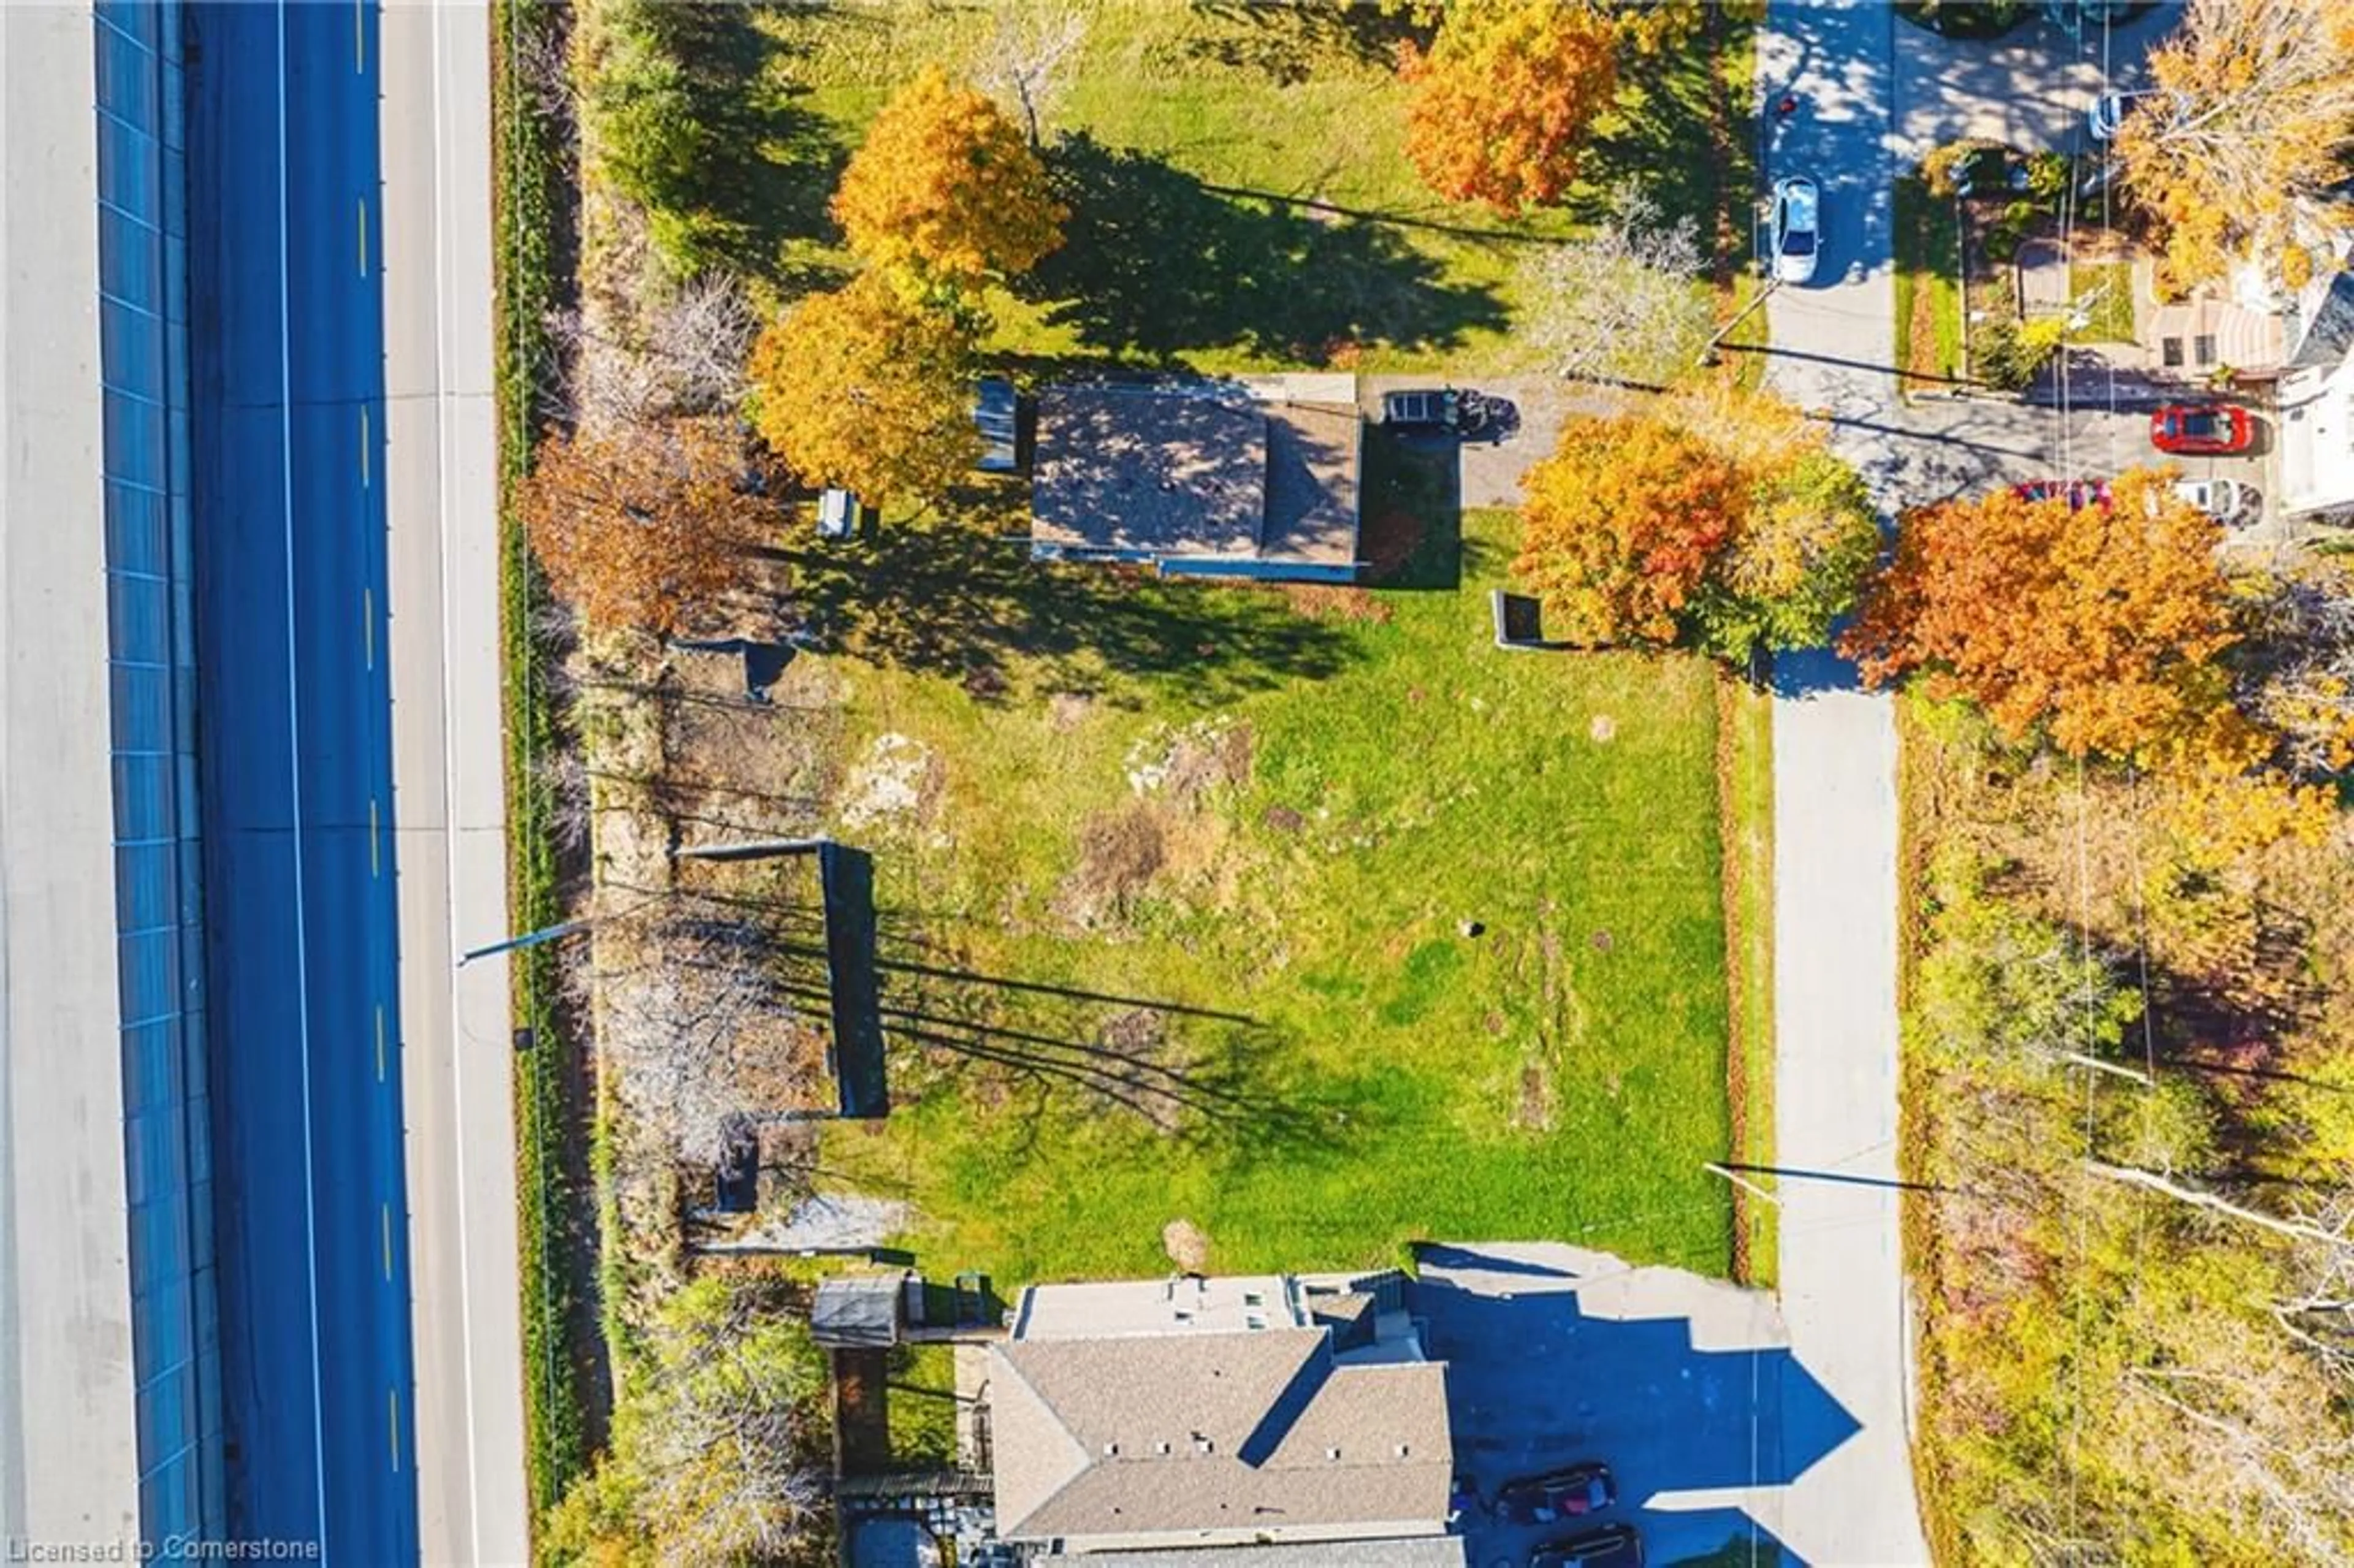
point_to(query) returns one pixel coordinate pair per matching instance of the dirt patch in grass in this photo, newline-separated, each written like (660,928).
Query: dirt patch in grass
(1333,601)
(1535,1110)
(1119,854)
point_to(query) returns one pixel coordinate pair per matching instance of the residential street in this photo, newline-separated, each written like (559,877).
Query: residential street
(449,785)
(1835,819)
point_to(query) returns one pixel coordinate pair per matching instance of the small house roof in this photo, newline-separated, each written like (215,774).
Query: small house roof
(1150,470)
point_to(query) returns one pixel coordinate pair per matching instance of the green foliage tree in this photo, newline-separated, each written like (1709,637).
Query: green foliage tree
(717,1452)
(2010,354)
(1798,558)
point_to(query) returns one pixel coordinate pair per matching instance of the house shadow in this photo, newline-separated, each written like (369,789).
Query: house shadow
(1411,512)
(1155,263)
(941,596)
(1681,1385)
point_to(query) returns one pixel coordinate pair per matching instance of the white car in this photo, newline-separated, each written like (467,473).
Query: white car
(2215,497)
(2107,113)
(1794,237)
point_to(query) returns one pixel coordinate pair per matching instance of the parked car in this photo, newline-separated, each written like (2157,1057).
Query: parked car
(2202,430)
(2215,497)
(2080,493)
(1795,232)
(1570,1493)
(1613,1546)
(2106,114)
(1434,411)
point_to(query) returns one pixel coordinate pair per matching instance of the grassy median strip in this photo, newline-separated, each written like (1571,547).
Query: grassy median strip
(1745,796)
(528,190)
(1928,285)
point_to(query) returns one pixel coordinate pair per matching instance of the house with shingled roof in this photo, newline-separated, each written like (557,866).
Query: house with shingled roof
(1293,1416)
(1252,477)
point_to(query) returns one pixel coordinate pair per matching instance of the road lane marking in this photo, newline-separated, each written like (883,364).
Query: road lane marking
(375,849)
(387,1240)
(392,1403)
(367,624)
(359,37)
(379,1042)
(363,236)
(364,447)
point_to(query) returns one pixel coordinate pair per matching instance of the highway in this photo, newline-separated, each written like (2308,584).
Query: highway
(448,787)
(287,435)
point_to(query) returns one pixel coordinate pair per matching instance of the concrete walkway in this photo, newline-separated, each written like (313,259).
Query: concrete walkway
(1835,829)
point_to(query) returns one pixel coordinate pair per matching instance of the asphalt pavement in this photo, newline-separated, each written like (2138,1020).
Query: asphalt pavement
(447,783)
(1835,887)
(288,370)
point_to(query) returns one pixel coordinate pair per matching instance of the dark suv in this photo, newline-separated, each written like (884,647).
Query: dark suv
(1614,1546)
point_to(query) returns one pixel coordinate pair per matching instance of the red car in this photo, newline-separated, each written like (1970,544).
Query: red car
(2202,430)
(2081,492)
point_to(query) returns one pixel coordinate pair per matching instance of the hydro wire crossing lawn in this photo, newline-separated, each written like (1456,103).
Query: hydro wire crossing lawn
(1324,931)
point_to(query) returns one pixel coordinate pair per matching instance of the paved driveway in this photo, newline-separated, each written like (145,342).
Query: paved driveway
(2029,89)
(1685,1387)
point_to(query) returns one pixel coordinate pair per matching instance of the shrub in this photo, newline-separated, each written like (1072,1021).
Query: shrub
(2010,354)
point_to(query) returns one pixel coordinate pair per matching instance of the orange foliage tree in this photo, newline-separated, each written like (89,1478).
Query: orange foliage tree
(947,186)
(2101,626)
(638,526)
(1622,523)
(1504,96)
(864,388)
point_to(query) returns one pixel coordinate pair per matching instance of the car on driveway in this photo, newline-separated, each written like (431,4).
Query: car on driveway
(1427,411)
(2080,493)
(2215,497)
(1613,1546)
(2106,114)
(1795,232)
(1569,1493)
(2202,430)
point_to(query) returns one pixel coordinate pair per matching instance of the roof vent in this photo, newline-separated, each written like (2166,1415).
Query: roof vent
(1161,1447)
(1112,1448)
(1401,1450)
(1332,1452)
(1203,1446)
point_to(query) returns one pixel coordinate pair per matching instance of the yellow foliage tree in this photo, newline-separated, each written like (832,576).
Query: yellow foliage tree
(1505,96)
(869,390)
(947,186)
(2237,150)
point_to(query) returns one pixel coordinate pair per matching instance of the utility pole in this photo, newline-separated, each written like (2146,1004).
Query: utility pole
(1708,350)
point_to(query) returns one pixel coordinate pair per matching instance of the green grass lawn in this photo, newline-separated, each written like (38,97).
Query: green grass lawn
(2108,287)
(1928,284)
(1239,189)
(1322,931)
(922,1406)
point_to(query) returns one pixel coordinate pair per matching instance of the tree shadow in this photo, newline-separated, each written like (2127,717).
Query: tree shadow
(1155,263)
(941,596)
(1287,43)
(1662,131)
(751,168)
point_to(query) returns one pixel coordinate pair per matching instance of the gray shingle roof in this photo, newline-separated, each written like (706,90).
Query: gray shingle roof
(1173,1433)
(1147,469)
